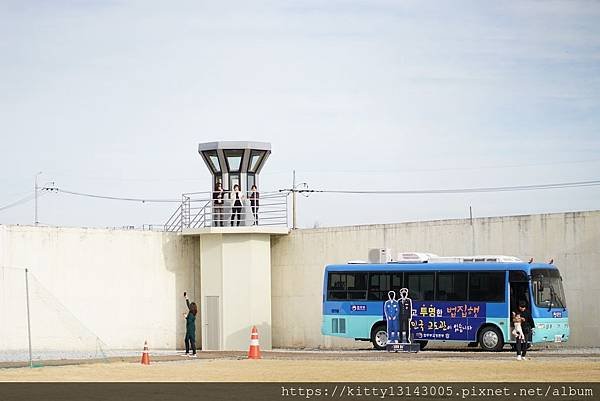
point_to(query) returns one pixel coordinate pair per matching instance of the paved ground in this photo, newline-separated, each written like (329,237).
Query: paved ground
(315,366)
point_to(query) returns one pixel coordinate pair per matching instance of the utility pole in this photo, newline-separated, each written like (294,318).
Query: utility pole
(28,317)
(294,201)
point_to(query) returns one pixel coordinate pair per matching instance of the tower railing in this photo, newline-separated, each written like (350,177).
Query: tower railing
(199,209)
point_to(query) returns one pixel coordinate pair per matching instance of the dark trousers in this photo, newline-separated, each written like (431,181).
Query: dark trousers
(521,346)
(190,342)
(218,215)
(255,214)
(236,211)
(404,327)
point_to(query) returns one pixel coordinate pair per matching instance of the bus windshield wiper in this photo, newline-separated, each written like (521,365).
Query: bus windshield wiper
(553,296)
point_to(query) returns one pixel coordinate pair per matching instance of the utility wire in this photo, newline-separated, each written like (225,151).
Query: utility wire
(18,202)
(143,200)
(577,184)
(24,200)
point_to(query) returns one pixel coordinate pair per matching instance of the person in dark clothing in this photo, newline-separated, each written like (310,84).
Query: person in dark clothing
(190,327)
(218,204)
(254,195)
(527,326)
(236,207)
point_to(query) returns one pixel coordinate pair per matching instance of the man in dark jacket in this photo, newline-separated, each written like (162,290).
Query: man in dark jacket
(527,325)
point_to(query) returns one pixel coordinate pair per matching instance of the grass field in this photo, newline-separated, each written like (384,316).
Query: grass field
(317,367)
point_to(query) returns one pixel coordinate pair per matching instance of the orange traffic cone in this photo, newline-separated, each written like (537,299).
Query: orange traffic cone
(145,354)
(254,351)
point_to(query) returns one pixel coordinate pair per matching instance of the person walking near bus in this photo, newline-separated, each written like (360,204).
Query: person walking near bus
(527,325)
(236,207)
(254,195)
(190,327)
(218,204)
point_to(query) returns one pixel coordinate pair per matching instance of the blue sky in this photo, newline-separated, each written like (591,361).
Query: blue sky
(113,97)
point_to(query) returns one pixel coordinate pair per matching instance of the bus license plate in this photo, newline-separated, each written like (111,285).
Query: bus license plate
(558,338)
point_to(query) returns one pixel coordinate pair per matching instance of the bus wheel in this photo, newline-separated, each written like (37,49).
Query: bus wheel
(379,337)
(422,344)
(490,339)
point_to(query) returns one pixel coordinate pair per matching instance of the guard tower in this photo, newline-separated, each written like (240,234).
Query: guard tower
(235,261)
(235,162)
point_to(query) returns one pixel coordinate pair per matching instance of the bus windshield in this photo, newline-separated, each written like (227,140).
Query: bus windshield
(547,288)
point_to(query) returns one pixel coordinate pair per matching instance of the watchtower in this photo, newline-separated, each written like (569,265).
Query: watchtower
(235,162)
(235,260)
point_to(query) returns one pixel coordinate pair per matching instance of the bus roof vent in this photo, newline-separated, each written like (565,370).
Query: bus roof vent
(414,257)
(476,258)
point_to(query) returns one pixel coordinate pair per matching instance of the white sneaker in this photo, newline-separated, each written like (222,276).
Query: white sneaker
(519,358)
(193,356)
(524,358)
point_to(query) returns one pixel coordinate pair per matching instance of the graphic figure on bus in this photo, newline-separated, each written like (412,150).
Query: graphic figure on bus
(391,309)
(405,315)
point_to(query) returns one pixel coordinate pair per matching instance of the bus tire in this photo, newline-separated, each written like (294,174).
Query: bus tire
(379,336)
(490,339)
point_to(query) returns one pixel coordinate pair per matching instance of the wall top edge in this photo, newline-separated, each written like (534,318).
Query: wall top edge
(23,227)
(439,222)
(236,230)
(286,230)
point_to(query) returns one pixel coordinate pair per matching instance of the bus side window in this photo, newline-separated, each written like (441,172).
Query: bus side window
(397,283)
(357,285)
(452,286)
(420,285)
(487,286)
(379,285)
(337,287)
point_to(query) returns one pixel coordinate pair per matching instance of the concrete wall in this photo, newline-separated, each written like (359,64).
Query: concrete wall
(298,260)
(127,286)
(123,286)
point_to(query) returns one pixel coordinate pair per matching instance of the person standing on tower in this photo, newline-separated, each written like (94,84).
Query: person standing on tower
(236,207)
(254,195)
(218,204)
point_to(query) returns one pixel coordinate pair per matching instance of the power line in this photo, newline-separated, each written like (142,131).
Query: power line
(118,198)
(19,202)
(577,184)
(22,201)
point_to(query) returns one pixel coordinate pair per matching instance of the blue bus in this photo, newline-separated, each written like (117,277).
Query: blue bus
(462,299)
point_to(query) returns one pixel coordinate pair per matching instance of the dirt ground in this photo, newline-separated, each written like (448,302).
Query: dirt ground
(316,367)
